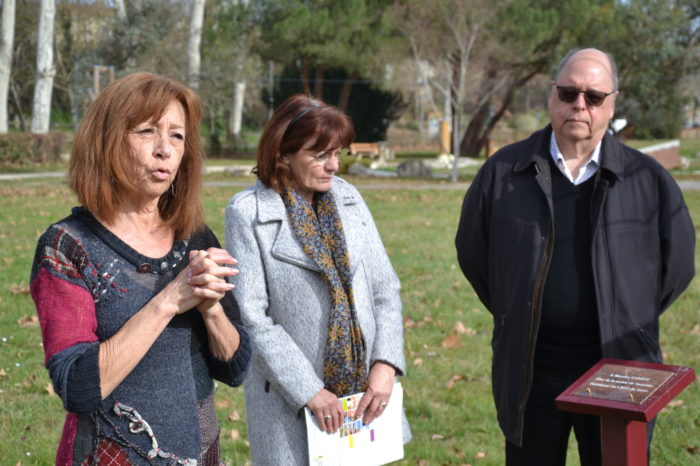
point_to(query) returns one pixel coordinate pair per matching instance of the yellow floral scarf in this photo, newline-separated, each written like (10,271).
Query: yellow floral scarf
(321,235)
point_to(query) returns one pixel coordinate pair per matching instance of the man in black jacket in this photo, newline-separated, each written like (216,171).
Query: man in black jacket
(576,244)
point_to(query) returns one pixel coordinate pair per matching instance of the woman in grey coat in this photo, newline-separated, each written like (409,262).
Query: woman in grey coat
(316,289)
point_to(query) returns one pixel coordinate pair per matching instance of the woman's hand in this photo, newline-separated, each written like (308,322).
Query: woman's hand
(327,410)
(208,271)
(202,282)
(380,383)
(209,274)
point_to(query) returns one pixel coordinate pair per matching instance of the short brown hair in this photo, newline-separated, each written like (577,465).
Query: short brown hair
(299,119)
(100,160)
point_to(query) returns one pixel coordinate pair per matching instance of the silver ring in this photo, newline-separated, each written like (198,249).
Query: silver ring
(383,403)
(327,416)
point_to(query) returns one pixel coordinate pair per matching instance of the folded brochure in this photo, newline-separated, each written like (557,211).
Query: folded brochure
(376,443)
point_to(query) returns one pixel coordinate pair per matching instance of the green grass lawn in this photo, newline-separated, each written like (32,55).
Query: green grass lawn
(447,389)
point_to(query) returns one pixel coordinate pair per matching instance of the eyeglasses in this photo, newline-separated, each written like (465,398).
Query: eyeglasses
(325,156)
(593,98)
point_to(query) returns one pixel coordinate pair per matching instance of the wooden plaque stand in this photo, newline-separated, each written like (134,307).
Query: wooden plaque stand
(626,395)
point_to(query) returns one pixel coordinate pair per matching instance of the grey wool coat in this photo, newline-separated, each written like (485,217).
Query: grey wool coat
(285,303)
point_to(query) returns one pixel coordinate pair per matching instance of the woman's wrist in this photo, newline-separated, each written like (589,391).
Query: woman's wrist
(163,308)
(211,310)
(384,367)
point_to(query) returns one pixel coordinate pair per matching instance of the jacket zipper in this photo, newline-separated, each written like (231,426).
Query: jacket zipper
(600,190)
(534,323)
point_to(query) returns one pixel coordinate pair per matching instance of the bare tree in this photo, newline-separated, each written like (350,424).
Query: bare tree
(194,57)
(7,34)
(41,109)
(236,118)
(461,24)
(239,85)
(121,9)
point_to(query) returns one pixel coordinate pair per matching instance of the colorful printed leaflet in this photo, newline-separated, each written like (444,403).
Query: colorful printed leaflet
(377,443)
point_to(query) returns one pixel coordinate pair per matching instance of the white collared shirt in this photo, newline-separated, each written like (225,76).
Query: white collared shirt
(589,169)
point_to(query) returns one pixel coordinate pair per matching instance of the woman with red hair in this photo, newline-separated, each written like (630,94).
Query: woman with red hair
(131,289)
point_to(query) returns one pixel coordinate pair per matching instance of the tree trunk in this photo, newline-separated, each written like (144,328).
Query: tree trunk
(195,39)
(7,28)
(318,83)
(482,124)
(236,118)
(238,98)
(456,99)
(344,98)
(121,9)
(41,109)
(305,78)
(474,140)
(18,108)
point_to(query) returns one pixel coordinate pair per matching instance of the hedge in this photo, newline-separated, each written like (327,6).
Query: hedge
(27,149)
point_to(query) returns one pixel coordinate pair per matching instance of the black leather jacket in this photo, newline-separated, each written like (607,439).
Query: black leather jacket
(642,254)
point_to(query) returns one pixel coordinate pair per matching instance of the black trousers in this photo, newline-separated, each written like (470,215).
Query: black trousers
(547,430)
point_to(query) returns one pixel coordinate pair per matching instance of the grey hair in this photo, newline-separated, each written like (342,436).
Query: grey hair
(613,65)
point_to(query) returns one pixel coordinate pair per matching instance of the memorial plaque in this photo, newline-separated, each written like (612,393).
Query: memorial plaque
(623,383)
(627,395)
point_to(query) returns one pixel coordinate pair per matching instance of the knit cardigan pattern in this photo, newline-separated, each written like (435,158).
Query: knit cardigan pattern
(86,284)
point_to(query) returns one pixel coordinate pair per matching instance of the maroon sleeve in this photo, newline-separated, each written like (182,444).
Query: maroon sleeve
(66,312)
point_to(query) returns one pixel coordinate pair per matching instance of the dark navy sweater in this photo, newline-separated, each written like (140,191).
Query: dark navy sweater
(86,284)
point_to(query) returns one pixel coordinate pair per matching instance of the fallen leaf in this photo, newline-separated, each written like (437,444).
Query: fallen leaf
(460,328)
(235,435)
(452,341)
(28,321)
(423,463)
(234,416)
(696,330)
(18,288)
(418,362)
(437,437)
(223,404)
(29,381)
(3,374)
(49,390)
(427,319)
(455,378)
(675,403)
(693,450)
(480,455)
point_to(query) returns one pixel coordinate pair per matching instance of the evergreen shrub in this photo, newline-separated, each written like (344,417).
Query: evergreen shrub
(27,148)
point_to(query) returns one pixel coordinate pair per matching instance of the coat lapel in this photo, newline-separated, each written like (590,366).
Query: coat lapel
(344,199)
(272,222)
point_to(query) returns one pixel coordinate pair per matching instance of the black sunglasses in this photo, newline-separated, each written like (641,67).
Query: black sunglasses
(593,98)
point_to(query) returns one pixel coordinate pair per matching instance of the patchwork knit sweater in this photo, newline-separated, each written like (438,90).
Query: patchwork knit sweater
(86,283)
